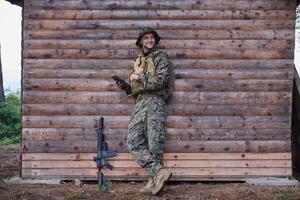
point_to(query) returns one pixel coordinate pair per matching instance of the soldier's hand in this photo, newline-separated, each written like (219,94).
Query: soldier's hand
(133,77)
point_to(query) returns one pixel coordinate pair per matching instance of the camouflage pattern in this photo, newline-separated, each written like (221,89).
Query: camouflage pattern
(146,130)
(142,65)
(155,81)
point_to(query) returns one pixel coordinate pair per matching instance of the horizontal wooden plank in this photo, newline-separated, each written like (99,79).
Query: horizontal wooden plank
(158,14)
(172,53)
(125,173)
(179,85)
(164,44)
(170,146)
(168,164)
(53,134)
(146,178)
(167,156)
(173,109)
(36,97)
(232,85)
(164,24)
(167,4)
(172,121)
(179,73)
(267,34)
(117,64)
(234,73)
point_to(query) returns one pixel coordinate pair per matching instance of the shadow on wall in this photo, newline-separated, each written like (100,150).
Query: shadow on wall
(296,126)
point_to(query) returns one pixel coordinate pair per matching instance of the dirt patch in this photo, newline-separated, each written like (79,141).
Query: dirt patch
(129,191)
(9,161)
(9,166)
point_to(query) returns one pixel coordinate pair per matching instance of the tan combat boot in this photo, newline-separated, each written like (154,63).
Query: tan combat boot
(160,179)
(148,188)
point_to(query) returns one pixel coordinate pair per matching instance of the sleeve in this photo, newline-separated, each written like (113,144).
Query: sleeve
(161,78)
(129,89)
(127,76)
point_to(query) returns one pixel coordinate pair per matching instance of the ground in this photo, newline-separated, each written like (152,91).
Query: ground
(9,166)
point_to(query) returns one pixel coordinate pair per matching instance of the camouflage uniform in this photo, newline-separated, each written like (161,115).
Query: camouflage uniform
(146,130)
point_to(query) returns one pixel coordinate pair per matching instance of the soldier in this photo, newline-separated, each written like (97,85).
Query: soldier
(151,83)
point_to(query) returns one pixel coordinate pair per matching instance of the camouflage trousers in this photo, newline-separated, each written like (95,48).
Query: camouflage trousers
(146,132)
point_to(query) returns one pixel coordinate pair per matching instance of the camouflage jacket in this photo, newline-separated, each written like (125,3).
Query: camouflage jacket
(160,82)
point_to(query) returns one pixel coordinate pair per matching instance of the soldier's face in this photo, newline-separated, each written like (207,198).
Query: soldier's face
(148,41)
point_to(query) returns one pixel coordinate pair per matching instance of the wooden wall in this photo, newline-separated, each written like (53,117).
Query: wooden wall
(230,115)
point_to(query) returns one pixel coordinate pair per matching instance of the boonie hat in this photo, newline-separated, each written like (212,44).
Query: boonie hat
(145,31)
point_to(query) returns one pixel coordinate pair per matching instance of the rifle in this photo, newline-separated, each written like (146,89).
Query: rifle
(102,154)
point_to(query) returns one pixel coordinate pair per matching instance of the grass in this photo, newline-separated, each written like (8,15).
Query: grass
(12,140)
(74,196)
(284,196)
(103,188)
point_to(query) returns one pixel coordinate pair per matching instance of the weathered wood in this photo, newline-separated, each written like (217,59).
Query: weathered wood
(229,116)
(168,164)
(167,156)
(233,74)
(114,64)
(179,85)
(268,34)
(231,97)
(228,146)
(146,178)
(173,109)
(167,4)
(166,24)
(232,85)
(52,134)
(76,73)
(172,122)
(30,74)
(77,109)
(35,97)
(172,53)
(165,44)
(158,14)
(76,97)
(170,146)
(177,172)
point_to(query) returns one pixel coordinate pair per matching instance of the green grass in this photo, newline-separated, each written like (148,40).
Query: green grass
(284,196)
(12,140)
(74,196)
(102,188)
